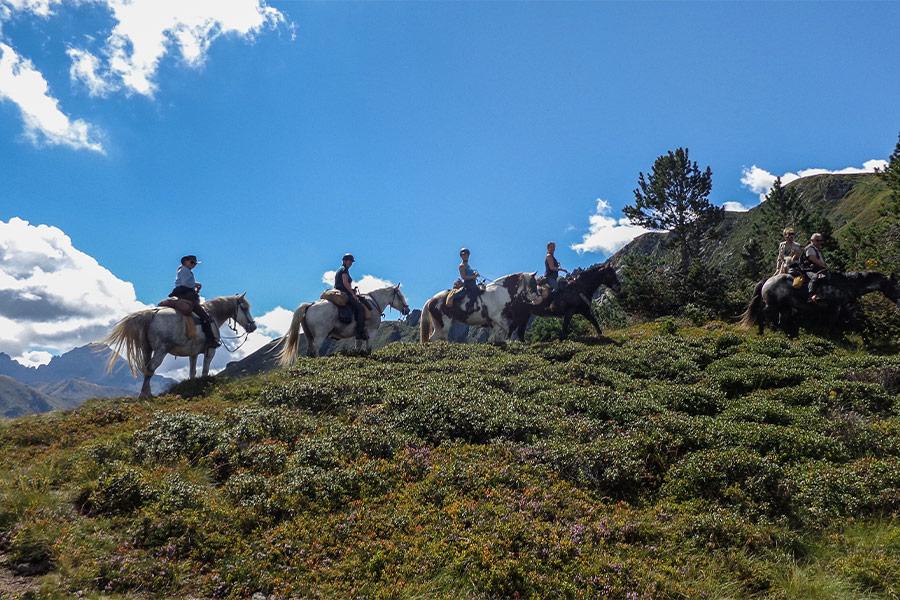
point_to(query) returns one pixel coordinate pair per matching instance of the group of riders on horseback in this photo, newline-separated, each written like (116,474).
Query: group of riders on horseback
(506,305)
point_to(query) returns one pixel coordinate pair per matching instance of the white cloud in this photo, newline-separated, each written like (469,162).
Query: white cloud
(607,234)
(26,87)
(366,283)
(146,30)
(733,206)
(42,8)
(275,322)
(52,295)
(33,358)
(84,69)
(760,181)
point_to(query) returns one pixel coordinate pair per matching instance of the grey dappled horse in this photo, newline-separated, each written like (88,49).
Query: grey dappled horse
(319,320)
(778,302)
(147,336)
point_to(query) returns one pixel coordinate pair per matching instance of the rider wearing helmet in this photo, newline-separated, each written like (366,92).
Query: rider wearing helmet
(469,276)
(344,283)
(187,288)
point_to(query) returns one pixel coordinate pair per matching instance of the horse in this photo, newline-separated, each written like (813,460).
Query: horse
(776,300)
(494,308)
(146,336)
(573,297)
(319,320)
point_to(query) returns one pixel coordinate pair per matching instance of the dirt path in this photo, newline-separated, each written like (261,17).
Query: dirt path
(11,585)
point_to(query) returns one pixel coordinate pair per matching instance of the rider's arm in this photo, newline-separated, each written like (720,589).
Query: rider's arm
(462,274)
(346,281)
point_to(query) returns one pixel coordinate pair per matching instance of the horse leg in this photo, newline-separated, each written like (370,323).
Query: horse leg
(788,325)
(152,365)
(589,315)
(770,314)
(311,347)
(193,360)
(441,330)
(207,360)
(567,322)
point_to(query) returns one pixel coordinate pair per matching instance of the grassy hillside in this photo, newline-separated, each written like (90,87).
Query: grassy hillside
(17,399)
(703,463)
(842,199)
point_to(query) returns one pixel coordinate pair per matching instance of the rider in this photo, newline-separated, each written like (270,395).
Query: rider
(469,276)
(814,264)
(552,268)
(789,252)
(344,283)
(186,288)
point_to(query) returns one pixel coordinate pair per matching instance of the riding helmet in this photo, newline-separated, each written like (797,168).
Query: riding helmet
(349,257)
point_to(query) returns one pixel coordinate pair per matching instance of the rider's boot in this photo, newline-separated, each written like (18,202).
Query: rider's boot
(211,341)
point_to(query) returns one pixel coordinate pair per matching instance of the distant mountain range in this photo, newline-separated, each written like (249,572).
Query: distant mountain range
(66,381)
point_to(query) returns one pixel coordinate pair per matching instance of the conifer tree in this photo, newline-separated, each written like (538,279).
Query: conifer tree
(674,197)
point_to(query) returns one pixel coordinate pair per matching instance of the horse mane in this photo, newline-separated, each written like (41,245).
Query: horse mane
(221,306)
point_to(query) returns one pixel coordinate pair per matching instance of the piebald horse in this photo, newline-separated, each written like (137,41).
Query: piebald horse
(319,320)
(496,307)
(146,336)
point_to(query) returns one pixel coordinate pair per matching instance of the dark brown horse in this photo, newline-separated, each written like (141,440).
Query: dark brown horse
(572,298)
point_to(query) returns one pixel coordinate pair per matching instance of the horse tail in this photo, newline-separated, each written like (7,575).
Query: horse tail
(425,322)
(292,340)
(129,338)
(753,315)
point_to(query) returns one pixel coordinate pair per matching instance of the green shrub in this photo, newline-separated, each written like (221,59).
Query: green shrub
(173,436)
(119,490)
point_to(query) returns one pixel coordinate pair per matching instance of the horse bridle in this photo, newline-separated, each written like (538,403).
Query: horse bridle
(393,297)
(233,327)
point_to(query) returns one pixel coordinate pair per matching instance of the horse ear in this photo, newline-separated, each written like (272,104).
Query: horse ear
(397,287)
(242,294)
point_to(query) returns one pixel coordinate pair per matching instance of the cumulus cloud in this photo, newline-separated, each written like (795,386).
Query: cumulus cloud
(45,123)
(733,206)
(52,295)
(607,234)
(41,8)
(33,358)
(146,30)
(760,181)
(366,283)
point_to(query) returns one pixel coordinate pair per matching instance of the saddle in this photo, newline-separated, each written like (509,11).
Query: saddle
(345,311)
(458,290)
(185,308)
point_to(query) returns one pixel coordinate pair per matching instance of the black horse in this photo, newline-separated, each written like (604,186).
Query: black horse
(572,298)
(779,303)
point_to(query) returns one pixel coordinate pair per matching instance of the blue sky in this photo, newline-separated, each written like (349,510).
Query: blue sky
(402,131)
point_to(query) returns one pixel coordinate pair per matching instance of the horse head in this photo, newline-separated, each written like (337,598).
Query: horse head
(242,313)
(398,301)
(530,290)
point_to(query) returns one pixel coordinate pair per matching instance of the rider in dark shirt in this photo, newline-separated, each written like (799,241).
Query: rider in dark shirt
(469,277)
(552,267)
(188,289)
(344,283)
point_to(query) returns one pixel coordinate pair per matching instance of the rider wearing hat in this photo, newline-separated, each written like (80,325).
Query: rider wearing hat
(789,252)
(814,264)
(469,276)
(344,283)
(187,288)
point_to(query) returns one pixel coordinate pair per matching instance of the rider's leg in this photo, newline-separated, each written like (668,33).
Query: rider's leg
(360,313)
(206,325)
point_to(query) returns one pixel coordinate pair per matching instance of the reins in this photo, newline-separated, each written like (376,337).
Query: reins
(232,324)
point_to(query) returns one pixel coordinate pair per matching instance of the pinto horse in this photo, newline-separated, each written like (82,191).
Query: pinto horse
(572,298)
(319,320)
(494,308)
(779,303)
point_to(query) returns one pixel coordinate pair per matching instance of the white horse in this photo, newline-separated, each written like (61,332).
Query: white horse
(146,336)
(495,307)
(319,320)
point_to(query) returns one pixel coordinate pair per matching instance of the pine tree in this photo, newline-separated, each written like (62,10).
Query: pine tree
(674,197)
(752,257)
